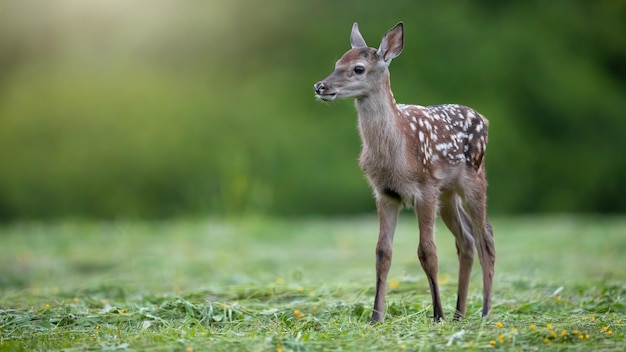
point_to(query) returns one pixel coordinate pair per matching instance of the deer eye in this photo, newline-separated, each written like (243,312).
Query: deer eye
(359,69)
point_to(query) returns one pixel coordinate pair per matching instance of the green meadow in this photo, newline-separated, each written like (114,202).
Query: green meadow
(168,181)
(261,284)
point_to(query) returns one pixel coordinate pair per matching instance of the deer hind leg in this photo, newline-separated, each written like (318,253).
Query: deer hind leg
(388,215)
(483,236)
(459,224)
(426,209)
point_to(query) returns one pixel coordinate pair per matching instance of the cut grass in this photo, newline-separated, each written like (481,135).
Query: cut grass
(301,285)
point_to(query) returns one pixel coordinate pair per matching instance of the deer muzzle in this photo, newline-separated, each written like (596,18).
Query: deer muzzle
(324,91)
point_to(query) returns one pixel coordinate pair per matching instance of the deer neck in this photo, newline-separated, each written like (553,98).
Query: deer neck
(379,126)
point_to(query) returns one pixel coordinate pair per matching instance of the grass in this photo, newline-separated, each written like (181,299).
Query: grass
(303,285)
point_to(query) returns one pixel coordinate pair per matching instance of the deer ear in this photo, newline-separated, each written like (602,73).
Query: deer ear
(356,39)
(392,43)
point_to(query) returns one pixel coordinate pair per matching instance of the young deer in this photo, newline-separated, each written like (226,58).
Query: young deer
(429,158)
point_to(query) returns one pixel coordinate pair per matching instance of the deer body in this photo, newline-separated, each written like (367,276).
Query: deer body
(427,158)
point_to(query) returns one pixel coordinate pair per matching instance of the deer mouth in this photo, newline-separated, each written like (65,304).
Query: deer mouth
(323,91)
(326,96)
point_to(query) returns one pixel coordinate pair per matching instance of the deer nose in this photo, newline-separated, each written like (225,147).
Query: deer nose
(320,87)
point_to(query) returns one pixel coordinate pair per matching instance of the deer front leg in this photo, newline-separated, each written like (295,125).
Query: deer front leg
(388,215)
(426,209)
(459,224)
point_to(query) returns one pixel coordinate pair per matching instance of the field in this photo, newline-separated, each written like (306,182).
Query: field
(262,284)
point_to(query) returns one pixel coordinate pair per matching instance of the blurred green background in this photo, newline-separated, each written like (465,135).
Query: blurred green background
(150,109)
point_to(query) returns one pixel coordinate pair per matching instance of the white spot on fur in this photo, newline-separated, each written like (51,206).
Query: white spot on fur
(428,154)
(412,126)
(442,146)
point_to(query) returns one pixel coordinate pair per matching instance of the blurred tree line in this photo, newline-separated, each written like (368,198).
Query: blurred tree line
(153,109)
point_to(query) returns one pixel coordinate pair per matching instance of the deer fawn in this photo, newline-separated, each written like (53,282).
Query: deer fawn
(429,158)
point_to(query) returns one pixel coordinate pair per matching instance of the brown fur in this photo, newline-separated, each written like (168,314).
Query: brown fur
(428,158)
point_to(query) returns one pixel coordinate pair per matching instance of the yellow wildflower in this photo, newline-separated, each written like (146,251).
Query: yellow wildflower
(513,329)
(279,349)
(501,337)
(492,342)
(122,310)
(532,327)
(402,346)
(610,332)
(280,281)
(189,349)
(394,284)
(553,334)
(499,325)
(75,300)
(549,326)
(587,336)
(298,314)
(592,318)
(558,298)
(47,306)
(575,332)
(581,336)
(605,328)
(563,332)
(546,340)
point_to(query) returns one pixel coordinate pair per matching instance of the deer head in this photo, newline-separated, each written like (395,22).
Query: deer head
(361,70)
